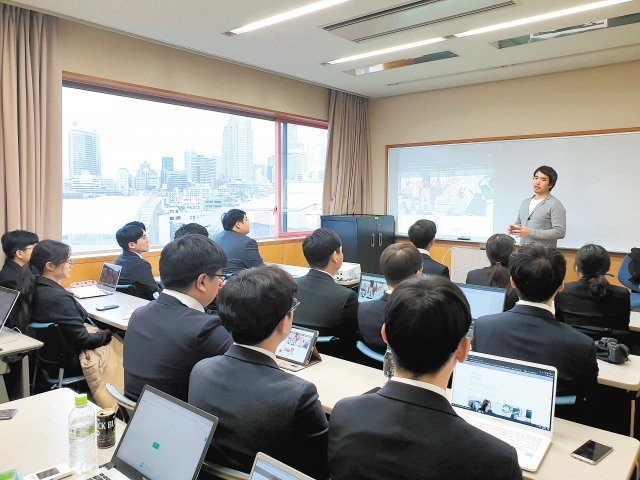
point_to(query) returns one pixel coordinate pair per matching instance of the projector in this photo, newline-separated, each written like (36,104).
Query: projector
(349,272)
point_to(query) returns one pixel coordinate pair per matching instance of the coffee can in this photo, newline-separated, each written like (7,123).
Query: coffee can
(106,420)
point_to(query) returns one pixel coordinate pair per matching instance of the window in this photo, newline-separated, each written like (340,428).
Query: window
(128,158)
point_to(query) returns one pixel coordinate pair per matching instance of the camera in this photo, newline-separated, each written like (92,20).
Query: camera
(609,350)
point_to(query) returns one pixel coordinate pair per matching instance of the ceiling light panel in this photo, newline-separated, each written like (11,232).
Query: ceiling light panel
(383,51)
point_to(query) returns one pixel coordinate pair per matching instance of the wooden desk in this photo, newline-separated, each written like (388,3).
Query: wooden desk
(114,317)
(634,321)
(36,438)
(14,343)
(625,377)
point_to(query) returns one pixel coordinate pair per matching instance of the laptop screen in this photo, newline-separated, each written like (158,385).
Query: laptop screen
(296,346)
(109,275)
(8,299)
(165,438)
(372,287)
(507,389)
(267,468)
(483,300)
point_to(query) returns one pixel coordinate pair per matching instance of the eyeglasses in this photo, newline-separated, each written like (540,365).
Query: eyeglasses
(222,276)
(296,304)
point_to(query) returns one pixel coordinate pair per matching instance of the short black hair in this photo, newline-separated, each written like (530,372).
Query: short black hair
(538,271)
(426,317)
(188,228)
(136,223)
(17,240)
(183,260)
(253,302)
(422,233)
(128,233)
(399,262)
(319,245)
(549,172)
(233,216)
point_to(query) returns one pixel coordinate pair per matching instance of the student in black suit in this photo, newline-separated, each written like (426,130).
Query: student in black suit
(324,305)
(530,331)
(17,247)
(242,251)
(408,429)
(136,271)
(422,234)
(188,228)
(592,301)
(44,300)
(499,247)
(261,408)
(166,338)
(397,262)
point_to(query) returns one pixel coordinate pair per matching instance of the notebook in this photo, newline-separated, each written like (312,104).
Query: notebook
(267,468)
(8,299)
(372,287)
(165,438)
(509,399)
(482,301)
(106,283)
(298,350)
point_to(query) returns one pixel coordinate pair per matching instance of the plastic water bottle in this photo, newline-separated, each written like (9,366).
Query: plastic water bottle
(83,453)
(388,366)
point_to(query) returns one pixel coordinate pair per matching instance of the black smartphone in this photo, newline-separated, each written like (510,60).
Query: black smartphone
(106,307)
(8,414)
(591,452)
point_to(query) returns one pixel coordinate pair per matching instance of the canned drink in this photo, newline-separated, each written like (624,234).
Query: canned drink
(106,420)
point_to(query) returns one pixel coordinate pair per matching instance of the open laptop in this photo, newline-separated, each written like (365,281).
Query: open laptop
(298,350)
(106,283)
(165,438)
(268,468)
(8,299)
(509,399)
(482,301)
(372,287)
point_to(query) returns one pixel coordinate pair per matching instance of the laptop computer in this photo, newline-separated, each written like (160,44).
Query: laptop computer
(8,299)
(106,283)
(165,438)
(268,468)
(298,350)
(372,287)
(509,399)
(482,301)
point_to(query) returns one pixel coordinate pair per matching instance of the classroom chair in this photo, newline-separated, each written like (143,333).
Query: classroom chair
(624,279)
(128,405)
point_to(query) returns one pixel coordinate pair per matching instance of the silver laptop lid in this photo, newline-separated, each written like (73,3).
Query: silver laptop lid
(483,300)
(267,468)
(8,299)
(372,287)
(513,391)
(109,276)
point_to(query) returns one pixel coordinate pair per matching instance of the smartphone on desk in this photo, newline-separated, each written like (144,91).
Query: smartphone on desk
(591,452)
(8,413)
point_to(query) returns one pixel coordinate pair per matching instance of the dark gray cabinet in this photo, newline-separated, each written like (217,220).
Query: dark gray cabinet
(364,237)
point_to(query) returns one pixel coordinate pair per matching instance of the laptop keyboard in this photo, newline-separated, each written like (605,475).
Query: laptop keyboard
(100,476)
(518,440)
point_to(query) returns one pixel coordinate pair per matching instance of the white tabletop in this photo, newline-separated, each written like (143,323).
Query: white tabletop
(625,376)
(634,321)
(13,342)
(116,316)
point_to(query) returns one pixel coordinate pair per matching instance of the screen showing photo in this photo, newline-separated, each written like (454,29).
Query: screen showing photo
(371,288)
(295,347)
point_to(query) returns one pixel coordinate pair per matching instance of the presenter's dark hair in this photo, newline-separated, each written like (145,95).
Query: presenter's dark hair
(538,271)
(253,302)
(128,233)
(188,228)
(426,317)
(422,233)
(593,262)
(549,172)
(183,260)
(499,248)
(319,245)
(230,218)
(136,223)
(17,240)
(399,262)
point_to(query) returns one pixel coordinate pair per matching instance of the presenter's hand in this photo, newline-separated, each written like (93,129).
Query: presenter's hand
(520,231)
(511,228)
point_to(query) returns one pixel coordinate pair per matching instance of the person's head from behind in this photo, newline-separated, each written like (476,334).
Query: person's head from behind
(322,249)
(592,263)
(193,265)
(544,179)
(399,262)
(189,228)
(236,220)
(499,248)
(257,306)
(51,259)
(132,238)
(18,245)
(422,233)
(537,272)
(426,322)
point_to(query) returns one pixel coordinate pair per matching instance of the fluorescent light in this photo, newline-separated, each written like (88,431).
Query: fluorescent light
(545,16)
(397,48)
(283,17)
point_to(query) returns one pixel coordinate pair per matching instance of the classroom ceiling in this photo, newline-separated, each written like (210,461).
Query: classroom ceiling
(300,48)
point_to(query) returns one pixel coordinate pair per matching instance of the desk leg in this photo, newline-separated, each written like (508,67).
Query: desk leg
(24,376)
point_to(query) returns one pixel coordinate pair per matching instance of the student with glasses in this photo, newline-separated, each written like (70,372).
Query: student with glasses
(17,247)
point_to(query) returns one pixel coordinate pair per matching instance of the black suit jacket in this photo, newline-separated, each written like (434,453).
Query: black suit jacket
(431,267)
(164,340)
(480,277)
(576,306)
(370,321)
(137,271)
(242,251)
(534,335)
(406,432)
(261,409)
(9,274)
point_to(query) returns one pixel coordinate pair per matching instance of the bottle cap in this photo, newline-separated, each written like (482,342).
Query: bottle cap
(81,400)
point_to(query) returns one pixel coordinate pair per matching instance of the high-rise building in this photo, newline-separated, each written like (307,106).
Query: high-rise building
(167,166)
(146,179)
(237,149)
(84,153)
(200,169)
(123,180)
(296,163)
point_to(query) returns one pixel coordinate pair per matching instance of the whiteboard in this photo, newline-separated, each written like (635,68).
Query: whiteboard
(472,190)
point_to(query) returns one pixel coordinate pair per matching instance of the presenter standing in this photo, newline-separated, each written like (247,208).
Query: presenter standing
(541,218)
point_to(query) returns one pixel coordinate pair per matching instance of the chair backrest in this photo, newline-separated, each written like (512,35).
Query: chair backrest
(55,350)
(126,403)
(624,275)
(372,354)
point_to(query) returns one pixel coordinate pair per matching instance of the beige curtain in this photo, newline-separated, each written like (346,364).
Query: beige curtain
(347,179)
(30,117)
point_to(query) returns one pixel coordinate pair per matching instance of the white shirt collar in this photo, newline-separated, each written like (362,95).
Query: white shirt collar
(264,351)
(544,306)
(418,383)
(185,299)
(422,250)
